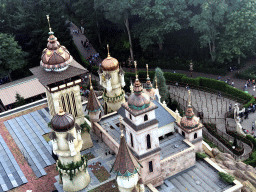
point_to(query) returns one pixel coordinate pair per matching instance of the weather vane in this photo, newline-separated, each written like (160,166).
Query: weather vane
(49,23)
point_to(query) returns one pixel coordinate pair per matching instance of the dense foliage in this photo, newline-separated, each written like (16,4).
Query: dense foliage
(19,100)
(227,177)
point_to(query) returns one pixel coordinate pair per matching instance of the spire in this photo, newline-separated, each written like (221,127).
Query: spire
(156,82)
(108,50)
(148,85)
(137,85)
(147,71)
(50,29)
(125,164)
(122,132)
(189,98)
(90,78)
(135,66)
(93,104)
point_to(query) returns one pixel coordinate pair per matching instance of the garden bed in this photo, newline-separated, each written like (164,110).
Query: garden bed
(99,171)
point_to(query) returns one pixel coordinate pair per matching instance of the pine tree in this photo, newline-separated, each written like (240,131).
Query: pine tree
(19,100)
(161,83)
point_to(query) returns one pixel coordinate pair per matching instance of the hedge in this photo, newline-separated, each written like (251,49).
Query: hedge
(173,76)
(191,81)
(143,74)
(227,177)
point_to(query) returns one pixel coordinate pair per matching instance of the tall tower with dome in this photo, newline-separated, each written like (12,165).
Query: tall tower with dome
(61,76)
(112,79)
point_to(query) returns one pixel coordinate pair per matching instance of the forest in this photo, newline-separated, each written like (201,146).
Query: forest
(214,34)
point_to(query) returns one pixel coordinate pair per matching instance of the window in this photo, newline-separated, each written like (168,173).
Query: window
(183,133)
(150,166)
(131,139)
(130,116)
(100,115)
(69,106)
(63,104)
(74,103)
(195,135)
(145,117)
(148,142)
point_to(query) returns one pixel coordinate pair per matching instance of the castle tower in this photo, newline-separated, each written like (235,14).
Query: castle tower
(93,106)
(67,143)
(191,128)
(142,133)
(126,166)
(112,79)
(61,75)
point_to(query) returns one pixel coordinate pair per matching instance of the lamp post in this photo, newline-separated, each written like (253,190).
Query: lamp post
(191,67)
(130,63)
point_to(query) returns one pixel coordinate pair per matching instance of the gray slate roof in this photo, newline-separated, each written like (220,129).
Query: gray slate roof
(162,115)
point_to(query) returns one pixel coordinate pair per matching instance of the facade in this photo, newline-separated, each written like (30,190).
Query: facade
(112,79)
(61,75)
(67,143)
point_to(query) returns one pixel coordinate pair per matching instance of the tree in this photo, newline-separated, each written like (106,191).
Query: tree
(119,13)
(161,83)
(240,33)
(11,55)
(19,100)
(209,22)
(158,18)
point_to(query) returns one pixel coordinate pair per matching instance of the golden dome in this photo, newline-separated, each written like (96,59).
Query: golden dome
(109,64)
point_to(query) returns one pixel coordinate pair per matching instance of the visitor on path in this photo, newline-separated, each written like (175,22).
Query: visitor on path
(187,87)
(253,81)
(230,107)
(219,78)
(248,85)
(228,81)
(82,42)
(245,86)
(232,83)
(174,71)
(253,126)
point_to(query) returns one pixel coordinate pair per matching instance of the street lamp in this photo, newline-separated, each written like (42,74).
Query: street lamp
(191,67)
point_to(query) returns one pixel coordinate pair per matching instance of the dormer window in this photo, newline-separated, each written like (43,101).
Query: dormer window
(148,142)
(145,117)
(195,135)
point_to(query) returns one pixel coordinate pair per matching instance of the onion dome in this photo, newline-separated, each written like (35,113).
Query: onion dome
(138,100)
(125,164)
(189,120)
(62,121)
(110,63)
(55,57)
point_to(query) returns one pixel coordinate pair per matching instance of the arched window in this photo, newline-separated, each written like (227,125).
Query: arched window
(195,135)
(74,103)
(148,142)
(69,106)
(63,103)
(130,116)
(131,139)
(145,117)
(183,133)
(150,166)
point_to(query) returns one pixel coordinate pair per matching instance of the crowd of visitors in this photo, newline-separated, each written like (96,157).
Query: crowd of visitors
(4,80)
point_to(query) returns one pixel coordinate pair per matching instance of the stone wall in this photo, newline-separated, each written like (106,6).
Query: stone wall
(178,162)
(105,137)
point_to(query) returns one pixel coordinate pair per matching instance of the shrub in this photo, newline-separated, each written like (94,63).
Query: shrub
(200,156)
(86,127)
(95,70)
(252,139)
(173,76)
(191,81)
(19,100)
(87,117)
(50,124)
(226,177)
(143,74)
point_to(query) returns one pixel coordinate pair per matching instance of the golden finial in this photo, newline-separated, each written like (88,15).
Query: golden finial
(156,82)
(108,50)
(135,65)
(147,71)
(61,112)
(122,132)
(90,82)
(49,23)
(189,98)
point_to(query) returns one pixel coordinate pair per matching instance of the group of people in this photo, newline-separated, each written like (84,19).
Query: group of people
(248,83)
(86,44)
(244,115)
(92,59)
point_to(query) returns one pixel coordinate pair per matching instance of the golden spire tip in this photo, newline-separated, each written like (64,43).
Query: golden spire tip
(108,50)
(47,16)
(135,65)
(147,70)
(90,82)
(156,82)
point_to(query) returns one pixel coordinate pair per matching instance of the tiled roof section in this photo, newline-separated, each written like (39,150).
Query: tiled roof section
(162,115)
(189,130)
(49,77)
(93,102)
(78,127)
(26,87)
(69,137)
(141,126)
(135,113)
(134,189)
(141,181)
(62,123)
(125,164)
(52,135)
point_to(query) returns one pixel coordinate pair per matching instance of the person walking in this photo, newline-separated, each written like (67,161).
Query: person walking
(232,83)
(82,42)
(253,81)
